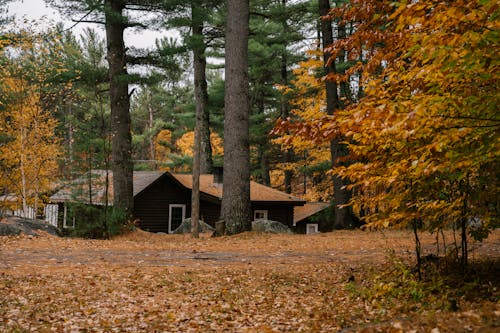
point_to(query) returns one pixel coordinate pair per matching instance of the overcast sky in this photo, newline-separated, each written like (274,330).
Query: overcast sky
(46,16)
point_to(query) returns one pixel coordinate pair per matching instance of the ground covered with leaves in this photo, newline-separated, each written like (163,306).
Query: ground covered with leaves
(349,281)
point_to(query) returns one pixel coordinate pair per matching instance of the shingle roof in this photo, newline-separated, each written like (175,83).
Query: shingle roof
(258,192)
(302,212)
(78,190)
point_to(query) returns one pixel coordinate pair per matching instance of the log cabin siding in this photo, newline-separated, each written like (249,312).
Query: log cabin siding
(151,207)
(209,212)
(155,191)
(276,212)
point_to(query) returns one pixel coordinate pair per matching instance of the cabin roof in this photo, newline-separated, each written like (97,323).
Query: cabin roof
(78,190)
(258,192)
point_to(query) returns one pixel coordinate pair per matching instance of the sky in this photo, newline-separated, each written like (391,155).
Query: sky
(29,10)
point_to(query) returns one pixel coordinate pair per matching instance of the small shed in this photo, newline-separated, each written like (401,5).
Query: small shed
(308,220)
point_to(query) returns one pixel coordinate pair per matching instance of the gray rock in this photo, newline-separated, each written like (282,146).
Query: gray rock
(270,226)
(12,226)
(185,227)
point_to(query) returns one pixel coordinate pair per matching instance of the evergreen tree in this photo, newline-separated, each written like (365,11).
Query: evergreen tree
(277,30)
(114,15)
(236,211)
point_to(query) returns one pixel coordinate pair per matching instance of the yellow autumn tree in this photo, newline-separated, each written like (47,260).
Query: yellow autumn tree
(162,144)
(425,137)
(426,134)
(307,98)
(185,144)
(29,148)
(29,157)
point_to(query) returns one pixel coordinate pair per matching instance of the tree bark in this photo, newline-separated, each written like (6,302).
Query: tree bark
(152,153)
(236,209)
(199,64)
(201,91)
(121,144)
(343,216)
(263,147)
(285,108)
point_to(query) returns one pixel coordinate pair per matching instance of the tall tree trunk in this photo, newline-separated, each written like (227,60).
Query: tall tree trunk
(236,209)
(343,216)
(121,144)
(199,64)
(285,107)
(201,90)
(69,118)
(263,146)
(264,165)
(22,168)
(152,150)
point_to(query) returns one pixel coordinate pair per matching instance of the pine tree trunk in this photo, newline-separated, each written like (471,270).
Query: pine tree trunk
(263,147)
(201,92)
(152,153)
(121,144)
(343,216)
(285,107)
(264,165)
(199,80)
(236,209)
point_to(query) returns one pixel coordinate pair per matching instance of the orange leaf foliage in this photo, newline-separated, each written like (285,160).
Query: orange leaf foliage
(426,134)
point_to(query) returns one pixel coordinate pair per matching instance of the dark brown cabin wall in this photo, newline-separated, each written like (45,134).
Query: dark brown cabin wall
(209,212)
(280,213)
(151,207)
(300,228)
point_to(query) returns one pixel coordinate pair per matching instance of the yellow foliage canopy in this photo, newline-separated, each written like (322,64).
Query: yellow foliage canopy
(426,135)
(307,98)
(186,143)
(29,158)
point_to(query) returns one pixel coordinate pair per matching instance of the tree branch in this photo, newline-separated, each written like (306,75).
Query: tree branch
(81,20)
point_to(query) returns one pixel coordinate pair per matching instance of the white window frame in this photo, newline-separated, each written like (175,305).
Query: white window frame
(313,225)
(65,219)
(265,212)
(170,214)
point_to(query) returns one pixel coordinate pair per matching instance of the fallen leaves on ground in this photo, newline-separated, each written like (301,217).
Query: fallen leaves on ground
(251,282)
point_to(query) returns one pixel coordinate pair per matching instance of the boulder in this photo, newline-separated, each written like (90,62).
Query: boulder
(12,226)
(185,227)
(270,227)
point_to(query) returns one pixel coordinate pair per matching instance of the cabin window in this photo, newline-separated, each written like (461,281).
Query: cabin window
(260,215)
(68,221)
(312,228)
(176,214)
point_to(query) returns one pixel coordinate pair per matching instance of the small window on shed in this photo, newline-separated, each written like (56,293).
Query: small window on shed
(312,228)
(260,215)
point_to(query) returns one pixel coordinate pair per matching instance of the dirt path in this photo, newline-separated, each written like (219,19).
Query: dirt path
(142,249)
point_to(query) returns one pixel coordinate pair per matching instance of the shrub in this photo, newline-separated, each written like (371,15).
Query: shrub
(98,222)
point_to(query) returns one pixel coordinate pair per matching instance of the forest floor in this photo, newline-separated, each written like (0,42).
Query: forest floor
(349,281)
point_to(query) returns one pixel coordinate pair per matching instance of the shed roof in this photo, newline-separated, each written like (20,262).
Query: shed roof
(301,213)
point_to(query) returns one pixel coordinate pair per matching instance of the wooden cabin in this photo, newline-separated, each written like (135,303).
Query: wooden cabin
(162,199)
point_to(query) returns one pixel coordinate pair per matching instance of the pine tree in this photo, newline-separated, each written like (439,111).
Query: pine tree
(236,211)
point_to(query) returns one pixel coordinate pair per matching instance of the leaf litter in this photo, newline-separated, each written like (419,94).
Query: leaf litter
(250,282)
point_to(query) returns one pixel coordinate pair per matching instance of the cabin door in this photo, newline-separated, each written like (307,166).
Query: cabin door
(176,214)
